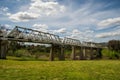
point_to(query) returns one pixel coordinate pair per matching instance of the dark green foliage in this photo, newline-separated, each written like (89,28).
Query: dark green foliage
(14,46)
(114,45)
(114,49)
(110,54)
(18,49)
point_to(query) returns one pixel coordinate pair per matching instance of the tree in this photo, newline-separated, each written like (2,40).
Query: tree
(114,46)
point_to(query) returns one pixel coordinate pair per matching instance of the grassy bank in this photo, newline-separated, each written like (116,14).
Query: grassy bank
(59,70)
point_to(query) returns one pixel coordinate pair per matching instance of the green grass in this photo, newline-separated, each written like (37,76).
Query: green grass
(60,70)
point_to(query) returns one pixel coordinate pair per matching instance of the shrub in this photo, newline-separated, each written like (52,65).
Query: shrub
(21,52)
(110,54)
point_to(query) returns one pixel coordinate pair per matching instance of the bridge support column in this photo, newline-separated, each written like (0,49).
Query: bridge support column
(84,53)
(51,53)
(73,53)
(91,53)
(99,54)
(62,56)
(3,49)
(81,54)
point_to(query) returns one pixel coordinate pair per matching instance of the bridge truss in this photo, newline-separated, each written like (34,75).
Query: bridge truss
(29,35)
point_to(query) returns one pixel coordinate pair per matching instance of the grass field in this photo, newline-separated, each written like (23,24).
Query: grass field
(60,70)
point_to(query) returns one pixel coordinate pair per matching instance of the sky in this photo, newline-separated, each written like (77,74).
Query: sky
(86,20)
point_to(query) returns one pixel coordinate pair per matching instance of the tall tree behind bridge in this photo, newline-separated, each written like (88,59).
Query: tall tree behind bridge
(114,45)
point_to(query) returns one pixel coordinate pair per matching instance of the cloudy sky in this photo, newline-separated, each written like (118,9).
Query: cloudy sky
(86,20)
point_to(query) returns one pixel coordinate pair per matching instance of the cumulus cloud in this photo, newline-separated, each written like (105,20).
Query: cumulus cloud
(62,30)
(109,22)
(108,34)
(4,8)
(86,35)
(46,8)
(40,27)
(23,16)
(36,9)
(76,34)
(7,26)
(76,31)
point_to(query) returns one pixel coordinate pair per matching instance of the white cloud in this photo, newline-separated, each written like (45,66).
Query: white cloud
(36,9)
(3,10)
(76,31)
(108,34)
(109,22)
(46,8)
(40,27)
(7,26)
(62,30)
(86,35)
(23,16)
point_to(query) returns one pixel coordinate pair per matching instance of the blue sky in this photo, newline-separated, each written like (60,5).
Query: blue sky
(86,20)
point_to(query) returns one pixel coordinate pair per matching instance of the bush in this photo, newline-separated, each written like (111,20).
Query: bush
(10,53)
(110,54)
(21,52)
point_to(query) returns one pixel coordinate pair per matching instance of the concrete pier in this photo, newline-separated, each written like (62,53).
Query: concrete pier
(3,49)
(73,53)
(51,56)
(81,54)
(61,54)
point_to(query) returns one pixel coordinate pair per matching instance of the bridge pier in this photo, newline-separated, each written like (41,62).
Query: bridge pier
(3,49)
(73,53)
(60,49)
(91,53)
(84,53)
(51,56)
(99,54)
(81,54)
(61,55)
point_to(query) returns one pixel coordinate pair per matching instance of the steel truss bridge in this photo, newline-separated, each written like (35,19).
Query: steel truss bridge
(22,34)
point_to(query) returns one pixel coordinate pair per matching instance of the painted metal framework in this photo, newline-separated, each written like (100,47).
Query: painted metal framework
(29,35)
